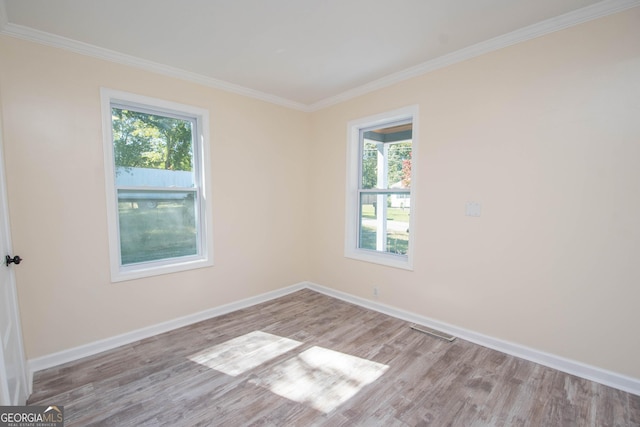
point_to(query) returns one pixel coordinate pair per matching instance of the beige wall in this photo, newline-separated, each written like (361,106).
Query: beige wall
(546,136)
(54,156)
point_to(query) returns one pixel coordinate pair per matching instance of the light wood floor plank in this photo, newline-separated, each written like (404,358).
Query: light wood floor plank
(427,381)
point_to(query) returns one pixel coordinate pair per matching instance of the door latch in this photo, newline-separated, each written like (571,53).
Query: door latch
(16,260)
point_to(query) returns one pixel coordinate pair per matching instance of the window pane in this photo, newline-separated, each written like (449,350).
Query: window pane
(384,222)
(155,225)
(399,165)
(386,157)
(143,141)
(369,164)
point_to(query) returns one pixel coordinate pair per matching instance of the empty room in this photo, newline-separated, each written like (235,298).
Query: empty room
(298,212)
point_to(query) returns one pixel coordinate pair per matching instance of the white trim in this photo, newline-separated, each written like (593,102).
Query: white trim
(90,349)
(205,256)
(582,370)
(23,388)
(42,37)
(588,13)
(591,373)
(351,249)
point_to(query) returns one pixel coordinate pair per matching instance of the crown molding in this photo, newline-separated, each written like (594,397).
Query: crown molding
(561,22)
(589,13)
(41,37)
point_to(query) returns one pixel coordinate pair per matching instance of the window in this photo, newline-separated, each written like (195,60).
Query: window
(156,166)
(381,179)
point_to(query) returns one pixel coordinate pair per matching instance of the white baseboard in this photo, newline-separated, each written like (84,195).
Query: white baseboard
(592,373)
(602,376)
(72,354)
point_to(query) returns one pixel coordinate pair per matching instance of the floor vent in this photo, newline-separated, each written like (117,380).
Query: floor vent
(433,332)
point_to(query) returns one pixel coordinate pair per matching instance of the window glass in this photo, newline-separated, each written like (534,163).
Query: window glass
(156,225)
(154,152)
(385,164)
(380,175)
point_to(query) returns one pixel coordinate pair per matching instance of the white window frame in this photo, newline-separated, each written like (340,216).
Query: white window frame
(204,257)
(354,179)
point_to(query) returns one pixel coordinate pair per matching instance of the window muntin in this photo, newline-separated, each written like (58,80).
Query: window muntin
(154,157)
(380,188)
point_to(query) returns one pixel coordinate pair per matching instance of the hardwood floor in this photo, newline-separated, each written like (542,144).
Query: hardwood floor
(308,376)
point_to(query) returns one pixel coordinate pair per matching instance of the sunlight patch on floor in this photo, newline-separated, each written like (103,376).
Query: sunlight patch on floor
(245,352)
(321,378)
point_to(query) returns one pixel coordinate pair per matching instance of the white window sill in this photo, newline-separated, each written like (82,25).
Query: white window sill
(390,260)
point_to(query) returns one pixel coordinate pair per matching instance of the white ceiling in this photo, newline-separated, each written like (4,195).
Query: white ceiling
(304,54)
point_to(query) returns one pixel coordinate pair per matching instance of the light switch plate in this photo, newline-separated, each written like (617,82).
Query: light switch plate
(472,209)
